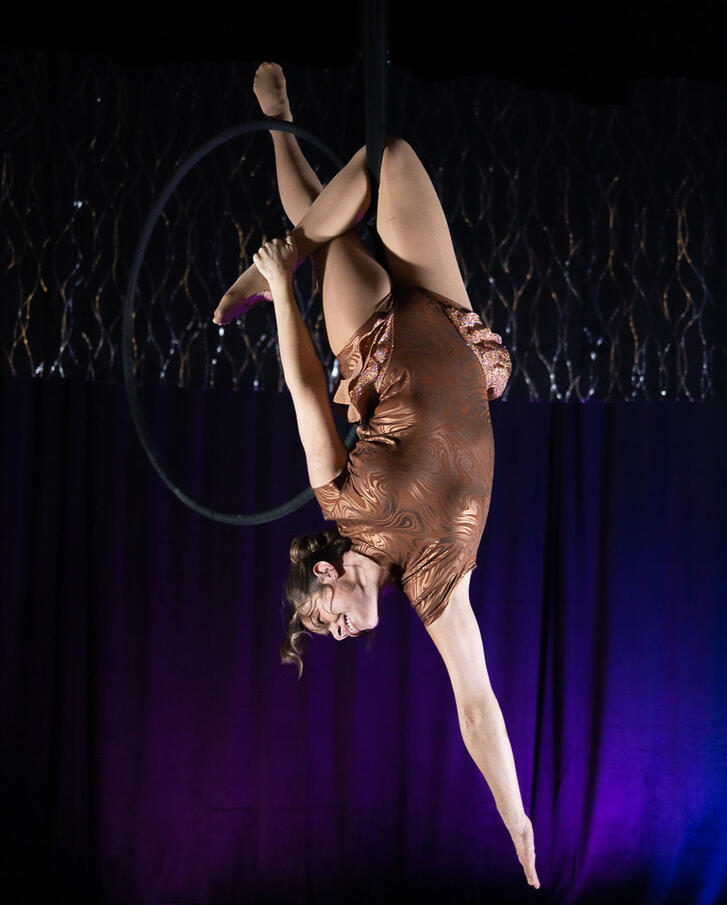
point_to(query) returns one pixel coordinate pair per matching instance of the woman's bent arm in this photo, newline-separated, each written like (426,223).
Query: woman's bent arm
(325,453)
(301,365)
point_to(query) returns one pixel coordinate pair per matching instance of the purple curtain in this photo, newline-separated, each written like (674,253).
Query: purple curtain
(154,749)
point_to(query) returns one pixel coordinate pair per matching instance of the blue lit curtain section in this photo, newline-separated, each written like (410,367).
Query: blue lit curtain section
(590,236)
(154,750)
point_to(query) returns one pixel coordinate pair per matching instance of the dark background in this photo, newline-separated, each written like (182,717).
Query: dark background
(153,749)
(591,50)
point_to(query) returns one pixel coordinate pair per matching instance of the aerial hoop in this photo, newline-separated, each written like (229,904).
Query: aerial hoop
(228,518)
(374,29)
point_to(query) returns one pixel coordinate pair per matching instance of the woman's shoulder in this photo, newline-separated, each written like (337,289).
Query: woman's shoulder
(328,494)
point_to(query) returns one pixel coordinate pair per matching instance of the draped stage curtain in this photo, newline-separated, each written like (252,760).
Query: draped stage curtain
(154,749)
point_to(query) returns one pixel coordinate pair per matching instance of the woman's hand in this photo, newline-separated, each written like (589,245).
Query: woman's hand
(522,836)
(276,259)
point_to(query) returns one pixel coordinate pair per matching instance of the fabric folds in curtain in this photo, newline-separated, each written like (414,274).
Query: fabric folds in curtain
(155,750)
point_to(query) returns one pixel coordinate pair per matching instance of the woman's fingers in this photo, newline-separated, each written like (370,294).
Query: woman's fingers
(278,253)
(275,259)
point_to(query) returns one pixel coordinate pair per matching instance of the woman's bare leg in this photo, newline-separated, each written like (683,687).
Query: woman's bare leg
(413,227)
(298,184)
(339,207)
(352,285)
(350,279)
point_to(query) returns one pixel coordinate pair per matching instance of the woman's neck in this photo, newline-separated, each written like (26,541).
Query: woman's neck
(366,571)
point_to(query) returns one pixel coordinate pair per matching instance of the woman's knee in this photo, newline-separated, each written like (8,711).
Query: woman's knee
(400,163)
(394,147)
(397,148)
(395,142)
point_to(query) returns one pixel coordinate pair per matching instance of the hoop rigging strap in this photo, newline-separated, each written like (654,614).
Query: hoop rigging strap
(374,29)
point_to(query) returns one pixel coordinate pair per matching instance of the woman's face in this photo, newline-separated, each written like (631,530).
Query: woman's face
(343,607)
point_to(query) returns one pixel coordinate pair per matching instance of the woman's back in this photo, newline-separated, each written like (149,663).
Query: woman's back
(415,492)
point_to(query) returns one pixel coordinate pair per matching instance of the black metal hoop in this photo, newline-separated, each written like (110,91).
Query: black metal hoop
(228,518)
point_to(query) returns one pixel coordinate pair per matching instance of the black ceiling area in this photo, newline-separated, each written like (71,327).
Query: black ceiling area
(594,52)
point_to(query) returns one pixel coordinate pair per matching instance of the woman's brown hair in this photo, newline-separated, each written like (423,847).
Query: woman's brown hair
(302,582)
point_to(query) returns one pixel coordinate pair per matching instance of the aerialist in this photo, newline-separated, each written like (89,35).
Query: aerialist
(418,369)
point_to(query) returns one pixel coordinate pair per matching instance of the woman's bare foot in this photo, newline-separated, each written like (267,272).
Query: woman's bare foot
(270,90)
(248,289)
(229,308)
(251,287)
(522,836)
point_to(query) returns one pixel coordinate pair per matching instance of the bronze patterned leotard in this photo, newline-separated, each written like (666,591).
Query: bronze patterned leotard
(415,492)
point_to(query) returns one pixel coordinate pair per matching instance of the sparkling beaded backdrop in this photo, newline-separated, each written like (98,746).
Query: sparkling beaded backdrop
(589,236)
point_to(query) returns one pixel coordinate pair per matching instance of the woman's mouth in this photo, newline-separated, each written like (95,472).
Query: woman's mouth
(349,625)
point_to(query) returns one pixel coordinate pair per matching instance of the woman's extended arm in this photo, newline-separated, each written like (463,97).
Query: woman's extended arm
(457,637)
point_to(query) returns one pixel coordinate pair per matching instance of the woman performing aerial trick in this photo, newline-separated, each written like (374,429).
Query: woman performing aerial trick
(418,369)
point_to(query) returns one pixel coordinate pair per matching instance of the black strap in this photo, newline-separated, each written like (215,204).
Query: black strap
(375,31)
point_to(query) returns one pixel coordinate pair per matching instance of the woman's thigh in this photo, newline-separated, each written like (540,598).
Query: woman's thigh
(413,227)
(352,283)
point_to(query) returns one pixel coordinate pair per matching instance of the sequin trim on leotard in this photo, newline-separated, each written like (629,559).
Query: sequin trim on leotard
(487,346)
(364,359)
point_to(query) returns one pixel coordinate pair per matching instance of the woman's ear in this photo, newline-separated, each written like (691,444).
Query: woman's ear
(324,571)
